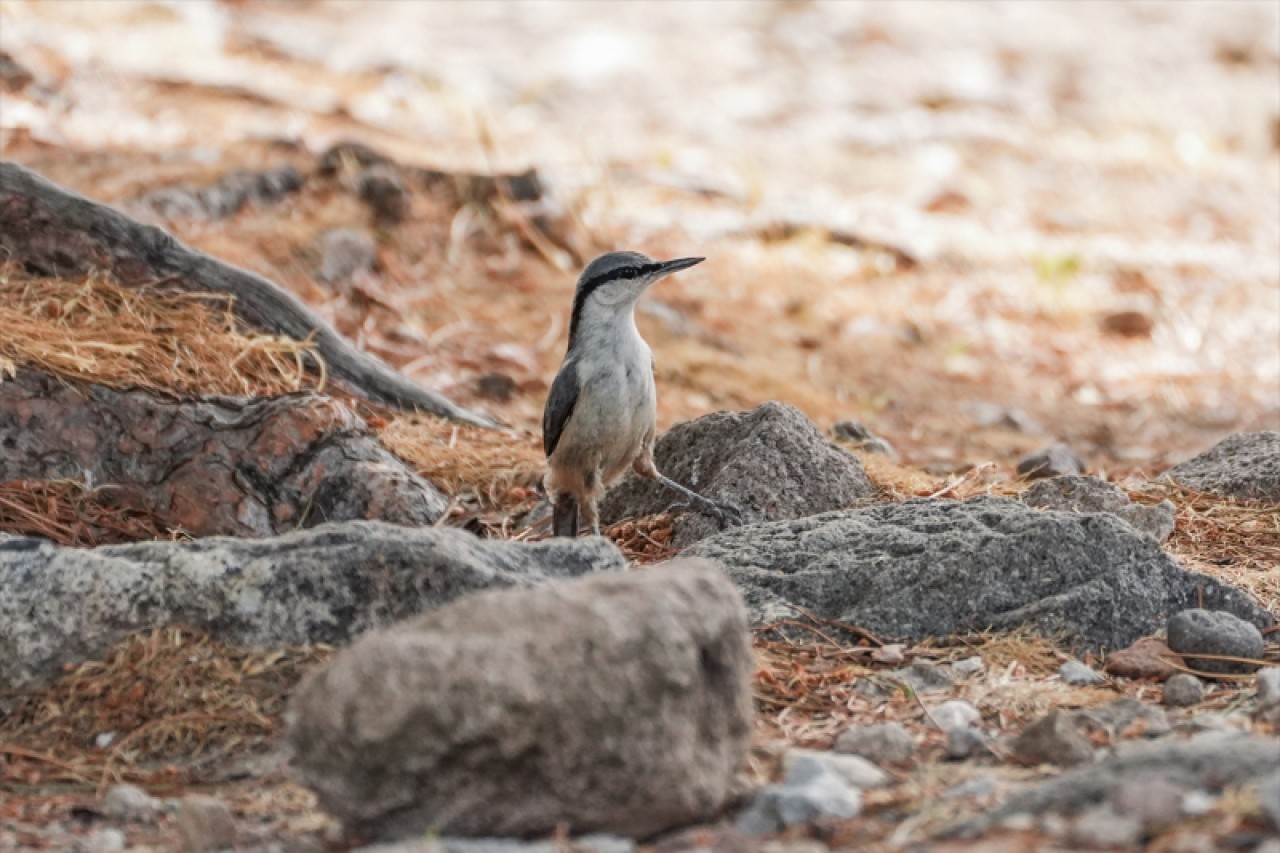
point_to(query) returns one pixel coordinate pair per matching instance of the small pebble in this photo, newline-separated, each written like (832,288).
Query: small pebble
(882,743)
(955,714)
(1102,827)
(205,823)
(1182,691)
(1075,673)
(969,666)
(1214,632)
(344,252)
(106,840)
(1052,739)
(852,769)
(1051,462)
(1156,802)
(963,743)
(1268,687)
(129,803)
(386,195)
(810,792)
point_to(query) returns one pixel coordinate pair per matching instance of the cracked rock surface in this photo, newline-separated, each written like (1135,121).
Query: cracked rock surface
(213,466)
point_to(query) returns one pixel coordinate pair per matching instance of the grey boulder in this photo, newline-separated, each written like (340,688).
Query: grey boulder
(618,703)
(1210,761)
(928,568)
(1214,632)
(1078,493)
(1245,465)
(325,584)
(771,463)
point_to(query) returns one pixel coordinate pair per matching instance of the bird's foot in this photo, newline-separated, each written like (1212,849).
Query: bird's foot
(727,514)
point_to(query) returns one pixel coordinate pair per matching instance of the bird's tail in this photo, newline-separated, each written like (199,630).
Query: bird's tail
(564,516)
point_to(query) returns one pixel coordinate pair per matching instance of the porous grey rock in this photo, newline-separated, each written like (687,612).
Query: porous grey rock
(1182,691)
(883,743)
(855,770)
(325,584)
(618,703)
(771,463)
(812,791)
(129,803)
(344,252)
(927,568)
(1245,465)
(1075,673)
(1078,493)
(1052,739)
(1214,632)
(205,824)
(1209,761)
(1053,461)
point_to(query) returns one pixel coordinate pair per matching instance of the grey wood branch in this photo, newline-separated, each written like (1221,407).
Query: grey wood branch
(56,231)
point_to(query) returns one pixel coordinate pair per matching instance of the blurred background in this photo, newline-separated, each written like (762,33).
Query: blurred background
(974,228)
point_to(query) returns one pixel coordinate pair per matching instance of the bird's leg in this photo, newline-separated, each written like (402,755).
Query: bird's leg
(721,512)
(591,515)
(564,515)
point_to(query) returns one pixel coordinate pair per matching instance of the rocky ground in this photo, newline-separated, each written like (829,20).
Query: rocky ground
(986,349)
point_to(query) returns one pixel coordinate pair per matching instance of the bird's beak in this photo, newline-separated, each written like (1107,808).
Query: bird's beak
(668,267)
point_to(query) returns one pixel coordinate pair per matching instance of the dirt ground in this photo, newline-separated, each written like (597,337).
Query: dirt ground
(976,229)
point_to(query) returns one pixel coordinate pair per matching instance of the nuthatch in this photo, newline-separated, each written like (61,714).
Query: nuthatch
(601,413)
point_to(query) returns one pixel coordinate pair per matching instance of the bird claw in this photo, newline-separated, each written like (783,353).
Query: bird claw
(727,514)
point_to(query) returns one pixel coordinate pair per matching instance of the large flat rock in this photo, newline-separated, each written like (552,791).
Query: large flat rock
(326,584)
(927,568)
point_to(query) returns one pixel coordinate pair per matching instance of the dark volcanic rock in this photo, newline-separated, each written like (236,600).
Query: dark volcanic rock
(385,193)
(1245,465)
(927,568)
(1078,493)
(326,584)
(771,463)
(619,703)
(1213,632)
(226,196)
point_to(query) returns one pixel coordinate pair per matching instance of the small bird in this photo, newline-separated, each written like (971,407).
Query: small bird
(601,413)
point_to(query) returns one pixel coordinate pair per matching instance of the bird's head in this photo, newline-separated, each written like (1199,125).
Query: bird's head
(611,284)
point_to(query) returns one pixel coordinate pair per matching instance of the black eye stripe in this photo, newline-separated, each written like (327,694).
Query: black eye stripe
(596,281)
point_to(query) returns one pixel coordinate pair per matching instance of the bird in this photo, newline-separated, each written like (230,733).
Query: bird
(601,413)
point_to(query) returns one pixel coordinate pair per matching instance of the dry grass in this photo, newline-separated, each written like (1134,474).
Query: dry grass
(497,467)
(69,513)
(150,336)
(1237,541)
(165,695)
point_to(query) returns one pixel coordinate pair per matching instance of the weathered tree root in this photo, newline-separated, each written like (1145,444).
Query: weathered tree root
(54,231)
(216,466)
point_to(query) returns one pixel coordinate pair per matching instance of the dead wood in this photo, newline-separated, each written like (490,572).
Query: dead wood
(53,231)
(216,466)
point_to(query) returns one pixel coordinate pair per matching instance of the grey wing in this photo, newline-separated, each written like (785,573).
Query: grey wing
(560,403)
